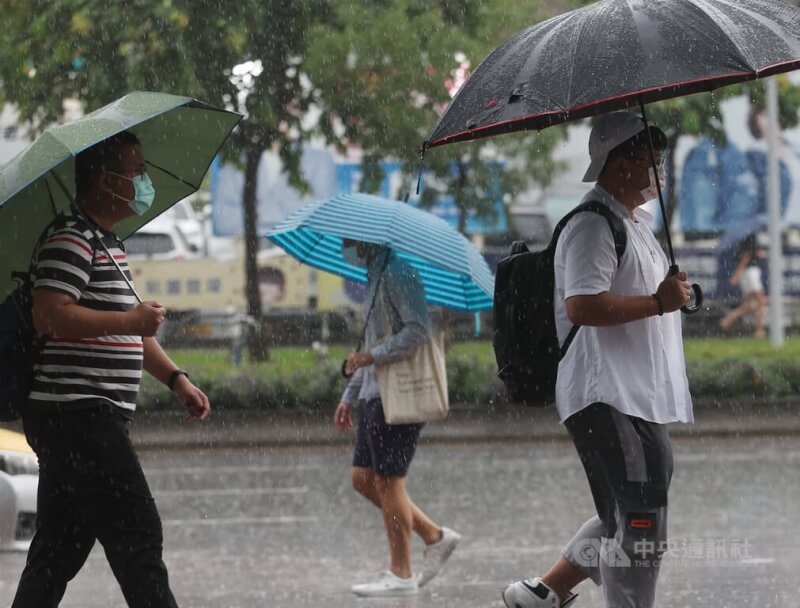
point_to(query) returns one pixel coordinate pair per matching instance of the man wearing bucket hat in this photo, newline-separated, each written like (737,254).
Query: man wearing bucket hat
(623,377)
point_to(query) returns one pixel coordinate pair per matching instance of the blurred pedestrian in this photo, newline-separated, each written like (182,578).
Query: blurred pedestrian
(397,324)
(623,377)
(91,485)
(747,276)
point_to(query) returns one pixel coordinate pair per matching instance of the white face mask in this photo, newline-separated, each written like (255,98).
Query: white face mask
(651,192)
(143,192)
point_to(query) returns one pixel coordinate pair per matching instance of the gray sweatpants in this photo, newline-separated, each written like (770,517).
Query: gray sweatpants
(628,462)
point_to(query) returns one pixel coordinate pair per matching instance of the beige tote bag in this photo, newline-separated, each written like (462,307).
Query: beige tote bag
(415,389)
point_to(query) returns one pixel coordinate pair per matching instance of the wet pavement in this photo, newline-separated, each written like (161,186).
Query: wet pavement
(281,526)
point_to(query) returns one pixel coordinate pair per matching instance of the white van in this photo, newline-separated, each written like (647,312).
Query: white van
(161,239)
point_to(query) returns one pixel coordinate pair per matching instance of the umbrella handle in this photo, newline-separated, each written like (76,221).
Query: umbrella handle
(694,307)
(690,309)
(344,369)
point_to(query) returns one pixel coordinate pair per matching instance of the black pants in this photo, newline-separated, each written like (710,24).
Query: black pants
(91,487)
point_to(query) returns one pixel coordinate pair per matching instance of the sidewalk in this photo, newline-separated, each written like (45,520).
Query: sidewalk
(241,429)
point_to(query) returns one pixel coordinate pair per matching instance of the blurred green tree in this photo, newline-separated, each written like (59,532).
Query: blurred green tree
(385,70)
(96,51)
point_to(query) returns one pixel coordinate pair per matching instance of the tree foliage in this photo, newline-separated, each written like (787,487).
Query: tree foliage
(385,72)
(96,51)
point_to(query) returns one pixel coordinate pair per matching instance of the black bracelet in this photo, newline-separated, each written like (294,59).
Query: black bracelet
(174,376)
(660,304)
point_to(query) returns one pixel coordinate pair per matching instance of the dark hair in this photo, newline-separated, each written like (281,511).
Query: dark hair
(107,153)
(637,144)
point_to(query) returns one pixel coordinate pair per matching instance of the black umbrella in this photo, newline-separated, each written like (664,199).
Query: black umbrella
(617,54)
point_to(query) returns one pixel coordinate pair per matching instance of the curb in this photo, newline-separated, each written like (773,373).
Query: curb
(165,430)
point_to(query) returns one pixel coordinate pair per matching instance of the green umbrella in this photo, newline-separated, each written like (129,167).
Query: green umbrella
(180,137)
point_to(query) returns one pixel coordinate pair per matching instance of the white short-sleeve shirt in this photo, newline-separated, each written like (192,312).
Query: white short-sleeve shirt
(637,367)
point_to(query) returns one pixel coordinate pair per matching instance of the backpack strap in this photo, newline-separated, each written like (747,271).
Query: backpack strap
(620,243)
(614,223)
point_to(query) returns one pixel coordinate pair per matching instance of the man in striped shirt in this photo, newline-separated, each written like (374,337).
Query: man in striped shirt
(98,340)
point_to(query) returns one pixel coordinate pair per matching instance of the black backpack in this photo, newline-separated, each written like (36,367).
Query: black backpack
(18,348)
(19,345)
(525,342)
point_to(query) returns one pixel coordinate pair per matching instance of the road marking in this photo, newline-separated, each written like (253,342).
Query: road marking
(232,469)
(232,491)
(235,521)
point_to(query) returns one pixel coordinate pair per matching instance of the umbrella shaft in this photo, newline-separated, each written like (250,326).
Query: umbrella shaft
(658,185)
(124,276)
(110,257)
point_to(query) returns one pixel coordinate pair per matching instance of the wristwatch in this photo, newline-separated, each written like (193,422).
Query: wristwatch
(174,376)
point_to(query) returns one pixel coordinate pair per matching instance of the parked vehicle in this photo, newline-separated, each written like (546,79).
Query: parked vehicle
(19,480)
(188,222)
(161,239)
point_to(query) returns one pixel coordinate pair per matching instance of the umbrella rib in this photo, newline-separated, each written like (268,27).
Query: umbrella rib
(62,186)
(715,21)
(316,238)
(171,174)
(50,194)
(571,77)
(313,247)
(222,143)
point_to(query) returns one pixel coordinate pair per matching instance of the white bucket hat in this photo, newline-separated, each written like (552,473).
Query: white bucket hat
(608,132)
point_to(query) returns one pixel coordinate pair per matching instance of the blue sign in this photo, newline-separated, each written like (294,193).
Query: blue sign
(394,185)
(275,197)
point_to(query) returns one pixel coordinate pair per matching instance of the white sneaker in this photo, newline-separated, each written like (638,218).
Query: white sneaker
(387,585)
(533,593)
(437,554)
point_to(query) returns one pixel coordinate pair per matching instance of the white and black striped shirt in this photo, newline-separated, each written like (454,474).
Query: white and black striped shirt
(76,373)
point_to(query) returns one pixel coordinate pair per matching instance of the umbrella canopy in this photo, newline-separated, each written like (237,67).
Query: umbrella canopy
(617,54)
(180,137)
(453,272)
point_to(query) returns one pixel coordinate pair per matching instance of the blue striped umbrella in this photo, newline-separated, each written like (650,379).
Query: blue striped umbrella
(453,272)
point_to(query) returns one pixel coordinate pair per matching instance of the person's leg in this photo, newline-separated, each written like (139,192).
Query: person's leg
(563,576)
(63,539)
(391,449)
(631,557)
(759,306)
(365,481)
(554,589)
(628,464)
(398,519)
(127,521)
(734,315)
(580,559)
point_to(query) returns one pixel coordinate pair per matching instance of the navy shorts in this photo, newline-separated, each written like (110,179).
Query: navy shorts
(387,449)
